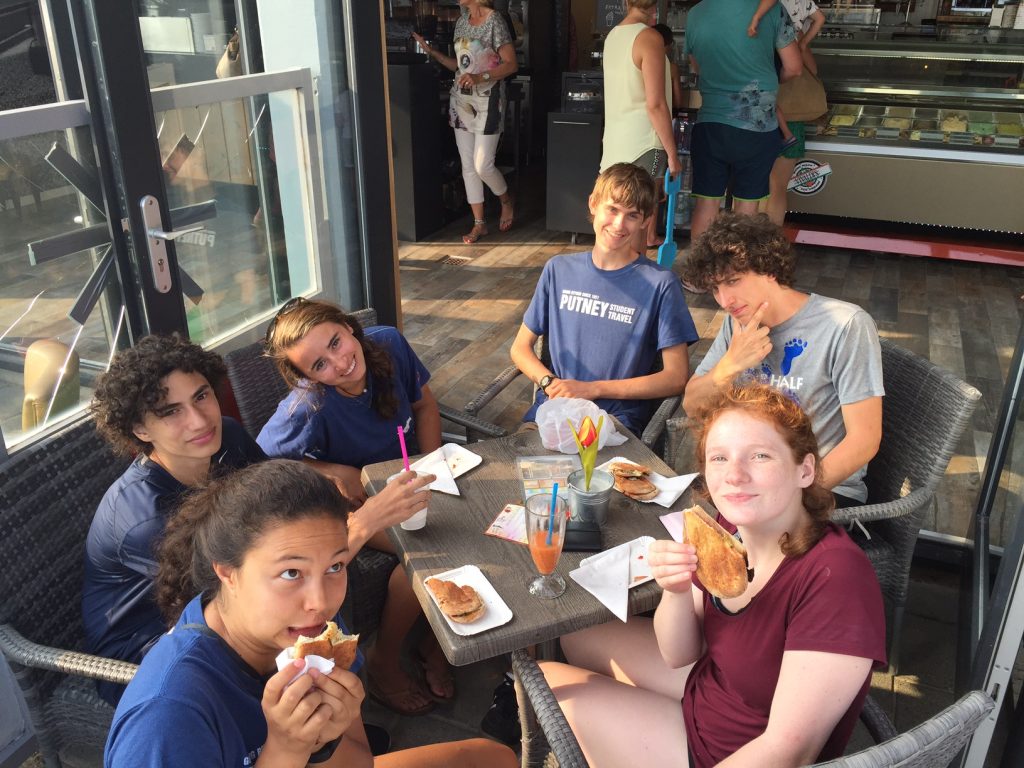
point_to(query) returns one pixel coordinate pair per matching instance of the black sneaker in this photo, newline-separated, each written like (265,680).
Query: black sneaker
(502,719)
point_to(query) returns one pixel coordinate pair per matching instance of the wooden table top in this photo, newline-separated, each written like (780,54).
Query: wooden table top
(454,536)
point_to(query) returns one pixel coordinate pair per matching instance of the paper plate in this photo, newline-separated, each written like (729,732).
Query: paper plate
(497,613)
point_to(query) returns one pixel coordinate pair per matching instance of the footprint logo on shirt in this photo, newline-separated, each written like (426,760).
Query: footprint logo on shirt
(793,349)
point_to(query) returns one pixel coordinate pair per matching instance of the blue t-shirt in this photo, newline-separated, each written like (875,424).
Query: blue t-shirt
(738,82)
(193,702)
(323,424)
(118,608)
(608,324)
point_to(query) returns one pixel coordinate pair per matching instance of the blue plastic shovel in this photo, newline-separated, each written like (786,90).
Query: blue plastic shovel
(667,251)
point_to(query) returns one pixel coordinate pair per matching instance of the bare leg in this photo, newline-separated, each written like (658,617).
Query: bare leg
(627,653)
(383,665)
(783,128)
(479,224)
(704,211)
(746,207)
(618,724)
(436,669)
(472,753)
(775,206)
(382,542)
(508,212)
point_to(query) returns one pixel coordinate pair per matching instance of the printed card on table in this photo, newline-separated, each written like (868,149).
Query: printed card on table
(510,524)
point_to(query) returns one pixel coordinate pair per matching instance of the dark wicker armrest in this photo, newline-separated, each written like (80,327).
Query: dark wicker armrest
(674,428)
(473,423)
(890,509)
(876,721)
(22,651)
(537,700)
(501,381)
(656,426)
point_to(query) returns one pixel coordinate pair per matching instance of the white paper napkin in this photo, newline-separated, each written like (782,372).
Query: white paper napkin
(609,575)
(319,663)
(434,464)
(673,522)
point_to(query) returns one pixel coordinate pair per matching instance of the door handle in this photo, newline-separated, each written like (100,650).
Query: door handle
(156,242)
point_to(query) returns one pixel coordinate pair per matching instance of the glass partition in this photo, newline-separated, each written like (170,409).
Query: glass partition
(244,152)
(60,306)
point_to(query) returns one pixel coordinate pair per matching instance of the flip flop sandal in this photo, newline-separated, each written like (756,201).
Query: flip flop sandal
(395,699)
(479,230)
(441,678)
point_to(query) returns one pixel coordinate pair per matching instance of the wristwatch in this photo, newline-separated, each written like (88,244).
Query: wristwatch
(486,76)
(545,382)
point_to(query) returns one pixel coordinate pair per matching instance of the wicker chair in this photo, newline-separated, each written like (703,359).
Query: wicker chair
(48,495)
(549,741)
(932,744)
(924,413)
(258,389)
(654,434)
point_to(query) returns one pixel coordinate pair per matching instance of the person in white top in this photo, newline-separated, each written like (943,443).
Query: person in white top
(638,122)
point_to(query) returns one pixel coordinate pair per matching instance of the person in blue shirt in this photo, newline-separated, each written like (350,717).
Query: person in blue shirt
(250,563)
(156,402)
(352,388)
(607,314)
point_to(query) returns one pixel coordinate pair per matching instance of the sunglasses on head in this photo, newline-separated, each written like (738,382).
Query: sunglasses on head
(287,307)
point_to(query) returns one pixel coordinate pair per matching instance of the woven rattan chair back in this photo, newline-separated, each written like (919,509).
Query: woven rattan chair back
(924,414)
(48,496)
(932,744)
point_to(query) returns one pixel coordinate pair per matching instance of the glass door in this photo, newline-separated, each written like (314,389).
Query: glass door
(182,169)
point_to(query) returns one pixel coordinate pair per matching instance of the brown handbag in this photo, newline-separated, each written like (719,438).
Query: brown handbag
(802,98)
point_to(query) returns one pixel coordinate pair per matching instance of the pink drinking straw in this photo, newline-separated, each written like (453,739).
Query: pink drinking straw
(551,516)
(405,453)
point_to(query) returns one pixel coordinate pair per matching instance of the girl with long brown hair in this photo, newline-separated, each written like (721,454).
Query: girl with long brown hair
(351,389)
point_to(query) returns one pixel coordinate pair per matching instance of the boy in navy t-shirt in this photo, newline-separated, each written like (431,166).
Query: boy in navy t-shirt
(608,313)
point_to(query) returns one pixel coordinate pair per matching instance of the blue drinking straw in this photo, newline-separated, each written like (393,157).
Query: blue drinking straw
(551,517)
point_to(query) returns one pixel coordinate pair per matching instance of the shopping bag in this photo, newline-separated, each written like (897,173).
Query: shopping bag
(802,98)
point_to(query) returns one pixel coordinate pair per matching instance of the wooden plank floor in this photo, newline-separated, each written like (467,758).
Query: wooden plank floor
(462,317)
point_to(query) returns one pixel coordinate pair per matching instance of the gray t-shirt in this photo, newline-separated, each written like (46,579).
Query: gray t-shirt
(825,356)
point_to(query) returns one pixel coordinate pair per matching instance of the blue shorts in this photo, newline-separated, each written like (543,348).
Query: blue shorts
(725,156)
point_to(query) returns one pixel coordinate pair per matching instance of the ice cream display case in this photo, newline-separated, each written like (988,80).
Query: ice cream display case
(922,129)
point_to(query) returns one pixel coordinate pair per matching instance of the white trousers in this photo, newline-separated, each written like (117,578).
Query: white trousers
(477,152)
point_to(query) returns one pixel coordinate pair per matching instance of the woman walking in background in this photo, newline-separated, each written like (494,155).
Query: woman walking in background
(484,58)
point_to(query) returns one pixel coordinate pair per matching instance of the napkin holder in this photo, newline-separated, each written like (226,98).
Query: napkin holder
(582,536)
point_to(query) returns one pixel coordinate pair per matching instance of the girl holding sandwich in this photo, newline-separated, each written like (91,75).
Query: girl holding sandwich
(812,610)
(248,565)
(351,388)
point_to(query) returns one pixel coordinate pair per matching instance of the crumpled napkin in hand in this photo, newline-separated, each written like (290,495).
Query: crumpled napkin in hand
(319,663)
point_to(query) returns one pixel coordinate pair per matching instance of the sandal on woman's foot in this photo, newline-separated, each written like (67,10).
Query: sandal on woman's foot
(479,230)
(439,679)
(508,216)
(409,701)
